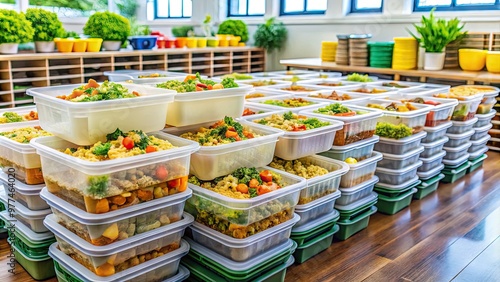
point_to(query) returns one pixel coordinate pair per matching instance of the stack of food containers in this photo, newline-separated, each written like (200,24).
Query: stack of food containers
(22,182)
(117,196)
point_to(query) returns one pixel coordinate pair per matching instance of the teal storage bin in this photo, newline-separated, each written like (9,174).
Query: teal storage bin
(388,205)
(427,187)
(476,163)
(451,175)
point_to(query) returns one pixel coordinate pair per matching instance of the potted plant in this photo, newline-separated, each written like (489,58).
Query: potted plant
(270,35)
(234,27)
(112,28)
(435,34)
(47,27)
(14,29)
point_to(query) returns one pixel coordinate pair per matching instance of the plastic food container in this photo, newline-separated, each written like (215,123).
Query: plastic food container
(32,219)
(453,153)
(309,73)
(483,120)
(427,90)
(284,88)
(402,85)
(478,144)
(335,83)
(399,146)
(21,157)
(476,162)
(453,174)
(87,184)
(456,140)
(398,187)
(480,132)
(466,109)
(355,217)
(297,144)
(273,81)
(430,173)
(459,127)
(210,162)
(397,176)
(355,193)
(360,171)
(431,162)
(356,128)
(427,187)
(259,112)
(28,195)
(105,229)
(299,233)
(163,268)
(321,242)
(453,163)
(116,257)
(436,133)
(123,75)
(242,249)
(359,150)
(317,95)
(392,205)
(40,268)
(352,90)
(391,161)
(85,123)
(260,103)
(20,111)
(474,155)
(262,92)
(433,148)
(316,208)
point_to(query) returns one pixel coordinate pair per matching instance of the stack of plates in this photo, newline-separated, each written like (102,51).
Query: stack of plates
(342,55)
(405,52)
(381,54)
(328,51)
(358,49)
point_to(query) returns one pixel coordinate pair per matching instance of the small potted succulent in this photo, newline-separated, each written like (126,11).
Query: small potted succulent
(14,29)
(112,28)
(47,27)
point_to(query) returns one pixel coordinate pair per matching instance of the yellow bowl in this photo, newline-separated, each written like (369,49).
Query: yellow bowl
(234,41)
(191,42)
(471,59)
(493,61)
(65,45)
(223,42)
(94,44)
(213,42)
(241,44)
(224,36)
(201,42)
(80,45)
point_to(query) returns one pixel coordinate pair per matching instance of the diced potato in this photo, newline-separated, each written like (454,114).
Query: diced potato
(102,206)
(111,232)
(105,270)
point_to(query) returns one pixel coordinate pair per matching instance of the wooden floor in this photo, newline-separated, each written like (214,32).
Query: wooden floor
(451,235)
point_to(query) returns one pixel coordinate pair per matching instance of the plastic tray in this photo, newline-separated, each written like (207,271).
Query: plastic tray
(38,268)
(297,144)
(459,127)
(116,257)
(28,195)
(399,146)
(359,150)
(75,179)
(315,246)
(355,193)
(210,162)
(123,75)
(304,233)
(123,223)
(430,173)
(456,152)
(431,162)
(89,122)
(431,149)
(242,249)
(349,227)
(143,42)
(483,120)
(356,128)
(395,177)
(481,132)
(163,268)
(20,111)
(476,163)
(456,162)
(391,206)
(21,157)
(478,153)
(436,133)
(427,187)
(477,145)
(32,219)
(454,174)
(316,208)
(391,161)
(361,171)
(456,140)
(259,102)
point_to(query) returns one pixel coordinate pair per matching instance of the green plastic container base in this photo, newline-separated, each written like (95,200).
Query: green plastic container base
(355,213)
(391,206)
(39,269)
(476,163)
(389,193)
(454,174)
(349,227)
(427,187)
(63,275)
(316,246)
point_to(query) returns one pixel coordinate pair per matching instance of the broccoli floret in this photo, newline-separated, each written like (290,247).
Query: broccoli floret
(144,142)
(12,117)
(194,180)
(244,175)
(229,83)
(288,115)
(252,192)
(102,150)
(114,136)
(98,185)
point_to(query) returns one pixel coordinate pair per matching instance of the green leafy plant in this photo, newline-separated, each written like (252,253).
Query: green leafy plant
(127,8)
(270,35)
(138,29)
(234,27)
(46,24)
(68,34)
(182,31)
(435,34)
(14,27)
(108,26)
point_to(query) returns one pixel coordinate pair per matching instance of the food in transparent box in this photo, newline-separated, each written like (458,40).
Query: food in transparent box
(398,176)
(436,133)
(456,140)
(105,229)
(480,132)
(463,158)
(478,153)
(456,152)
(459,127)
(400,85)
(329,83)
(360,171)
(430,173)
(147,75)
(440,113)
(100,187)
(355,193)
(483,120)
(257,112)
(478,144)
(358,150)
(294,89)
(21,116)
(333,96)
(391,161)
(288,102)
(411,182)
(263,83)
(27,195)
(431,162)
(433,148)
(30,218)
(399,146)
(369,91)
(316,208)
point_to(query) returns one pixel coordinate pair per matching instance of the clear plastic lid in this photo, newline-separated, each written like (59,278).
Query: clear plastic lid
(464,123)
(359,203)
(21,187)
(457,162)
(367,113)
(333,216)
(443,103)
(400,186)
(488,116)
(27,232)
(430,173)
(20,111)
(405,156)
(23,148)
(463,147)
(475,155)
(403,141)
(463,135)
(318,202)
(436,143)
(480,141)
(440,127)
(421,108)
(356,145)
(259,102)
(433,158)
(492,90)
(375,157)
(22,210)
(361,186)
(399,171)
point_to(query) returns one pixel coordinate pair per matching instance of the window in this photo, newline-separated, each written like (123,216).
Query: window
(171,9)
(366,6)
(9,4)
(454,5)
(80,8)
(244,8)
(302,7)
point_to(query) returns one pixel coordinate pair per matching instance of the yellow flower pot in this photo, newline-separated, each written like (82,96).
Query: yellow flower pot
(65,45)
(493,61)
(223,42)
(234,41)
(213,42)
(471,59)
(94,44)
(201,42)
(191,42)
(80,45)
(224,36)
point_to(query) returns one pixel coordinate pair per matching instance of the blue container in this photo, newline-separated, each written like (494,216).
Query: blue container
(143,42)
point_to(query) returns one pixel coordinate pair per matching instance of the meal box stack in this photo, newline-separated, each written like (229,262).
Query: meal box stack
(381,54)
(108,220)
(342,54)
(404,56)
(358,49)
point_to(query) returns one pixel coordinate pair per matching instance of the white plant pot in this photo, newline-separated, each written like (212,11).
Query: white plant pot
(9,48)
(45,46)
(421,57)
(111,45)
(434,61)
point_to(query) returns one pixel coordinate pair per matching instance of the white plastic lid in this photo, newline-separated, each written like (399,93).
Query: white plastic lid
(400,186)
(20,111)
(464,123)
(314,204)
(436,143)
(421,108)
(118,246)
(23,148)
(463,135)
(405,156)
(22,210)
(361,186)
(476,154)
(444,103)
(403,141)
(489,115)
(483,128)
(359,203)
(458,149)
(440,127)
(399,171)
(86,218)
(27,232)
(481,140)
(433,157)
(430,173)
(369,113)
(494,90)
(356,145)
(375,157)
(21,187)
(457,162)
(259,102)
(333,216)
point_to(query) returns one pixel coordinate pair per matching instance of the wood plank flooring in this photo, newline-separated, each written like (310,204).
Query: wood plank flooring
(451,235)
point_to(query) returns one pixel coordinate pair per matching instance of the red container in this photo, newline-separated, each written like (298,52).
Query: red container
(180,42)
(170,43)
(160,42)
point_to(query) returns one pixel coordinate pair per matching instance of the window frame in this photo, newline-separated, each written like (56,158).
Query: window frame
(305,12)
(156,17)
(368,10)
(229,15)
(454,7)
